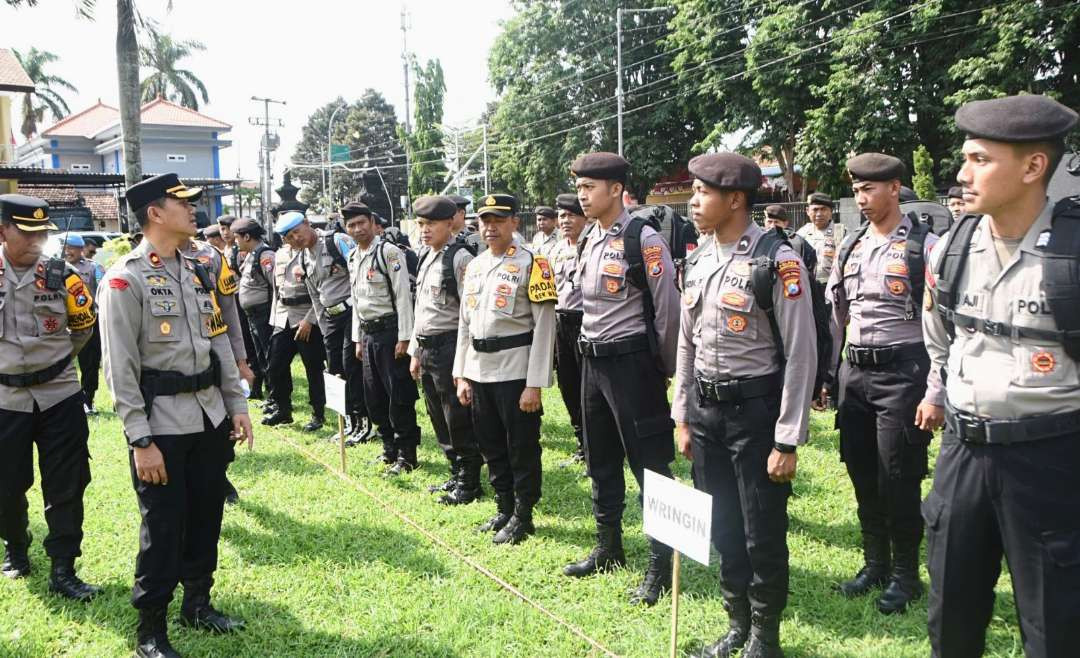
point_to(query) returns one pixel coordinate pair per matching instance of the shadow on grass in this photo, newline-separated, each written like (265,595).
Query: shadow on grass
(252,464)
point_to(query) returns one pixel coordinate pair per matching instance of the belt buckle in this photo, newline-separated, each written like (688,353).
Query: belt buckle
(883,355)
(972,430)
(993,328)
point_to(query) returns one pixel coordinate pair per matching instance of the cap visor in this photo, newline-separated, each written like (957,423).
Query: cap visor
(499,213)
(36,226)
(191,194)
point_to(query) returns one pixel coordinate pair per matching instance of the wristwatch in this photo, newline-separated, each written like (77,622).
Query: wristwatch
(141,442)
(786,448)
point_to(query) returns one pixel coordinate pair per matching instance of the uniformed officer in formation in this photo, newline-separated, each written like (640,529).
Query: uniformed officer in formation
(256,292)
(296,329)
(1005,480)
(822,234)
(382,327)
(546,236)
(956,202)
(462,230)
(777,216)
(234,256)
(46,318)
(876,299)
(620,346)
(212,235)
(177,392)
(434,342)
(91,274)
(568,312)
(741,397)
(505,346)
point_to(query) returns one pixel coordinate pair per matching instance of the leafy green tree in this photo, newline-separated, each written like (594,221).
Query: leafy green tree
(161,54)
(427,172)
(922,180)
(45,95)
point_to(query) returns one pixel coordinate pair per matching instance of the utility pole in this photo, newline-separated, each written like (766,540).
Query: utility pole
(408,120)
(485,161)
(618,60)
(269,143)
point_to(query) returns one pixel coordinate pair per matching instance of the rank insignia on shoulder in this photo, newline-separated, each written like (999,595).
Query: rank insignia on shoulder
(743,245)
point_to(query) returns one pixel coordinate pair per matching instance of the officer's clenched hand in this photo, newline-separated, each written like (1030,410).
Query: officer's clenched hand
(682,439)
(464,392)
(303,331)
(414,368)
(242,429)
(359,352)
(782,466)
(150,465)
(929,417)
(245,372)
(401,349)
(530,399)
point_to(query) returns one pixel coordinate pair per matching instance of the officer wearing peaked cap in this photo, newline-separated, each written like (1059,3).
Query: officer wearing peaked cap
(1001,328)
(46,317)
(568,312)
(91,274)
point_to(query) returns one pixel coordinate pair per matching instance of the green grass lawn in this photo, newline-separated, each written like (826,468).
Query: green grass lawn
(319,568)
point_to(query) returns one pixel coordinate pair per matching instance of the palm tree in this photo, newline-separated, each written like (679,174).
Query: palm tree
(45,95)
(127,68)
(161,55)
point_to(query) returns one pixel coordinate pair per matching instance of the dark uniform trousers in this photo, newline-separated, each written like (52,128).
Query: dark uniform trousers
(626,415)
(452,422)
(731,443)
(283,348)
(258,321)
(181,520)
(509,440)
(60,433)
(341,360)
(885,453)
(389,391)
(257,368)
(1020,500)
(568,368)
(89,366)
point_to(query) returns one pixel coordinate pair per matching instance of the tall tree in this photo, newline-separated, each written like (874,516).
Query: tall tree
(45,95)
(83,8)
(161,54)
(127,67)
(427,173)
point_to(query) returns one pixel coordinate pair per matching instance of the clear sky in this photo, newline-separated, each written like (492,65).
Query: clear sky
(305,53)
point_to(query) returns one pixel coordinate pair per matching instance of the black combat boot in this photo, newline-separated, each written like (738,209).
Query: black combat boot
(16,559)
(875,572)
(764,637)
(904,585)
(348,425)
(232,496)
(152,636)
(607,554)
(504,505)
(256,389)
(278,416)
(517,528)
(451,483)
(467,486)
(657,578)
(362,430)
(738,611)
(406,461)
(63,581)
(318,419)
(196,611)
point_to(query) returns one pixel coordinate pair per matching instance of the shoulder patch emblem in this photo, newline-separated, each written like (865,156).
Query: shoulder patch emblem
(116,283)
(541,281)
(656,268)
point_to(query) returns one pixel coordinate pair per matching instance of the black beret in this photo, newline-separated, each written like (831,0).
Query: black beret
(1024,118)
(727,171)
(247,225)
(546,211)
(354,209)
(776,211)
(380,220)
(502,205)
(145,192)
(819,199)
(29,213)
(226,220)
(435,207)
(601,165)
(956,192)
(569,203)
(876,167)
(907,194)
(460,201)
(212,231)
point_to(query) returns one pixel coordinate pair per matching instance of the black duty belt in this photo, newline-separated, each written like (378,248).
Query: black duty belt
(258,310)
(991,328)
(437,340)
(153,383)
(735,390)
(865,357)
(596,348)
(570,318)
(985,431)
(502,343)
(378,324)
(38,377)
(301,300)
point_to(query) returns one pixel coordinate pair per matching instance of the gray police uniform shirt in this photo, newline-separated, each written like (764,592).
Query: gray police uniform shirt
(694,256)
(225,281)
(872,296)
(996,376)
(91,273)
(563,259)
(289,284)
(725,335)
(613,306)
(257,279)
(328,281)
(155,314)
(826,243)
(437,311)
(38,328)
(496,303)
(543,244)
(380,287)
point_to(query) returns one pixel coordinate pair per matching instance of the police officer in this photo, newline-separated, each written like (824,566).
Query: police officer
(176,386)
(212,235)
(777,216)
(256,290)
(822,234)
(1003,336)
(439,288)
(628,357)
(741,394)
(504,353)
(91,274)
(296,329)
(546,237)
(234,256)
(46,317)
(382,326)
(956,202)
(875,287)
(568,312)
(463,231)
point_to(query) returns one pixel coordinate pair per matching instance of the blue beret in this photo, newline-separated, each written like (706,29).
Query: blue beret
(288,221)
(74,240)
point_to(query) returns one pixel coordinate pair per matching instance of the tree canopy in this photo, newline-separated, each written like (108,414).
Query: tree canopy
(46,94)
(160,54)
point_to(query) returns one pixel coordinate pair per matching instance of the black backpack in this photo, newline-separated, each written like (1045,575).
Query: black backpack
(1060,284)
(257,258)
(680,235)
(449,279)
(913,257)
(931,213)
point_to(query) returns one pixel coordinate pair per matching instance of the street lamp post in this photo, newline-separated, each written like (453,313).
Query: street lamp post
(330,159)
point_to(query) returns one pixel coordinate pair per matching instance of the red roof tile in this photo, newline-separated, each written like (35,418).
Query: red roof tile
(158,112)
(12,75)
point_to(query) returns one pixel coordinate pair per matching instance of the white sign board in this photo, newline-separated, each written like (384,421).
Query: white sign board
(678,515)
(335,393)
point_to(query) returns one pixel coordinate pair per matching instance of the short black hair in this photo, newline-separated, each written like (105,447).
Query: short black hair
(141,214)
(1054,150)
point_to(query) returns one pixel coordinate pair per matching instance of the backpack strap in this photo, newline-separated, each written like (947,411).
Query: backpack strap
(916,264)
(257,258)
(1061,273)
(635,275)
(449,276)
(331,248)
(849,244)
(763,279)
(380,253)
(950,266)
